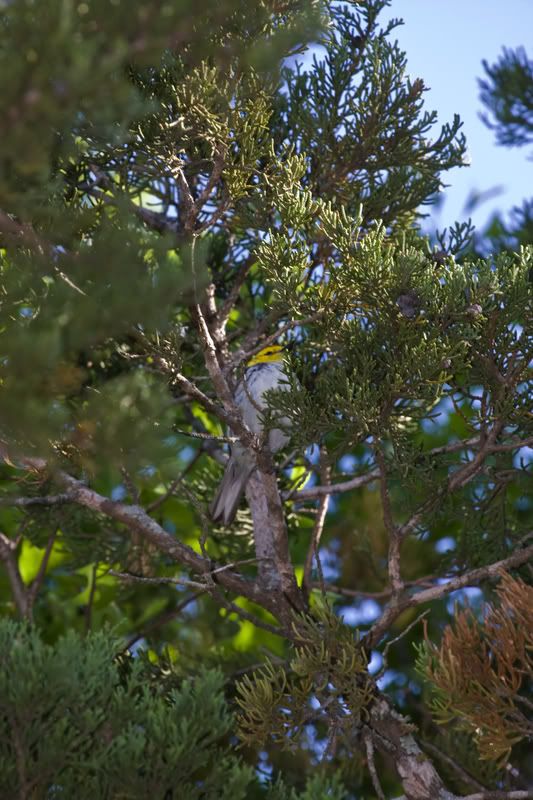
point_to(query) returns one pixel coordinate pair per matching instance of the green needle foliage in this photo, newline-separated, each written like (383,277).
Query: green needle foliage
(126,738)
(506,92)
(328,671)
(76,720)
(507,96)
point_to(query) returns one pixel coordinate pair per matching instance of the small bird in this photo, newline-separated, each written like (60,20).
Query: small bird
(265,371)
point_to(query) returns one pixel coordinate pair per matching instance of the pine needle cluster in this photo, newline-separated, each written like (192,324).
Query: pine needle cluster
(326,682)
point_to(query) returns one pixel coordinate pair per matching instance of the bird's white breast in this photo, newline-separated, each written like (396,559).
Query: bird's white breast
(249,396)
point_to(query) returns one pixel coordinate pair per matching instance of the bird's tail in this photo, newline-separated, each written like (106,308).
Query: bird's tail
(229,493)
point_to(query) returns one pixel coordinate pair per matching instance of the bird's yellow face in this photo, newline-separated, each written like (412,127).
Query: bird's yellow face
(268,355)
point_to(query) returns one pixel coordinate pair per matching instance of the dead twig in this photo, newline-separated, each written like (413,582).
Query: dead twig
(312,551)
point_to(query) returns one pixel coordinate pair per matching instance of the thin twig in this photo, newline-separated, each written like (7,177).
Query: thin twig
(8,556)
(90,602)
(39,578)
(46,500)
(458,769)
(337,488)
(474,576)
(228,414)
(216,173)
(234,564)
(248,617)
(312,551)
(471,578)
(244,355)
(518,794)
(163,618)
(151,507)
(395,640)
(130,485)
(238,281)
(343,591)
(369,747)
(355,593)
(128,576)
(393,558)
(208,436)
(154,220)
(362,480)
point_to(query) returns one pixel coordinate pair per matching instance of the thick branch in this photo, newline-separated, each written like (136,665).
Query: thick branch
(276,573)
(393,735)
(137,520)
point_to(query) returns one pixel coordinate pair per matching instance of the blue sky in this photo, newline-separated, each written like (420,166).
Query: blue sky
(445,43)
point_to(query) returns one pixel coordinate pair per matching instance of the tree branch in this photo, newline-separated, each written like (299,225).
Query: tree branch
(336,488)
(517,794)
(28,502)
(393,735)
(312,551)
(39,578)
(395,541)
(154,220)
(161,619)
(369,747)
(471,578)
(276,573)
(238,282)
(136,519)
(243,355)
(457,768)
(8,556)
(361,480)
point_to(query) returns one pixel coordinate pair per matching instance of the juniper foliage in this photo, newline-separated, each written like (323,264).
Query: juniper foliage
(80,720)
(507,97)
